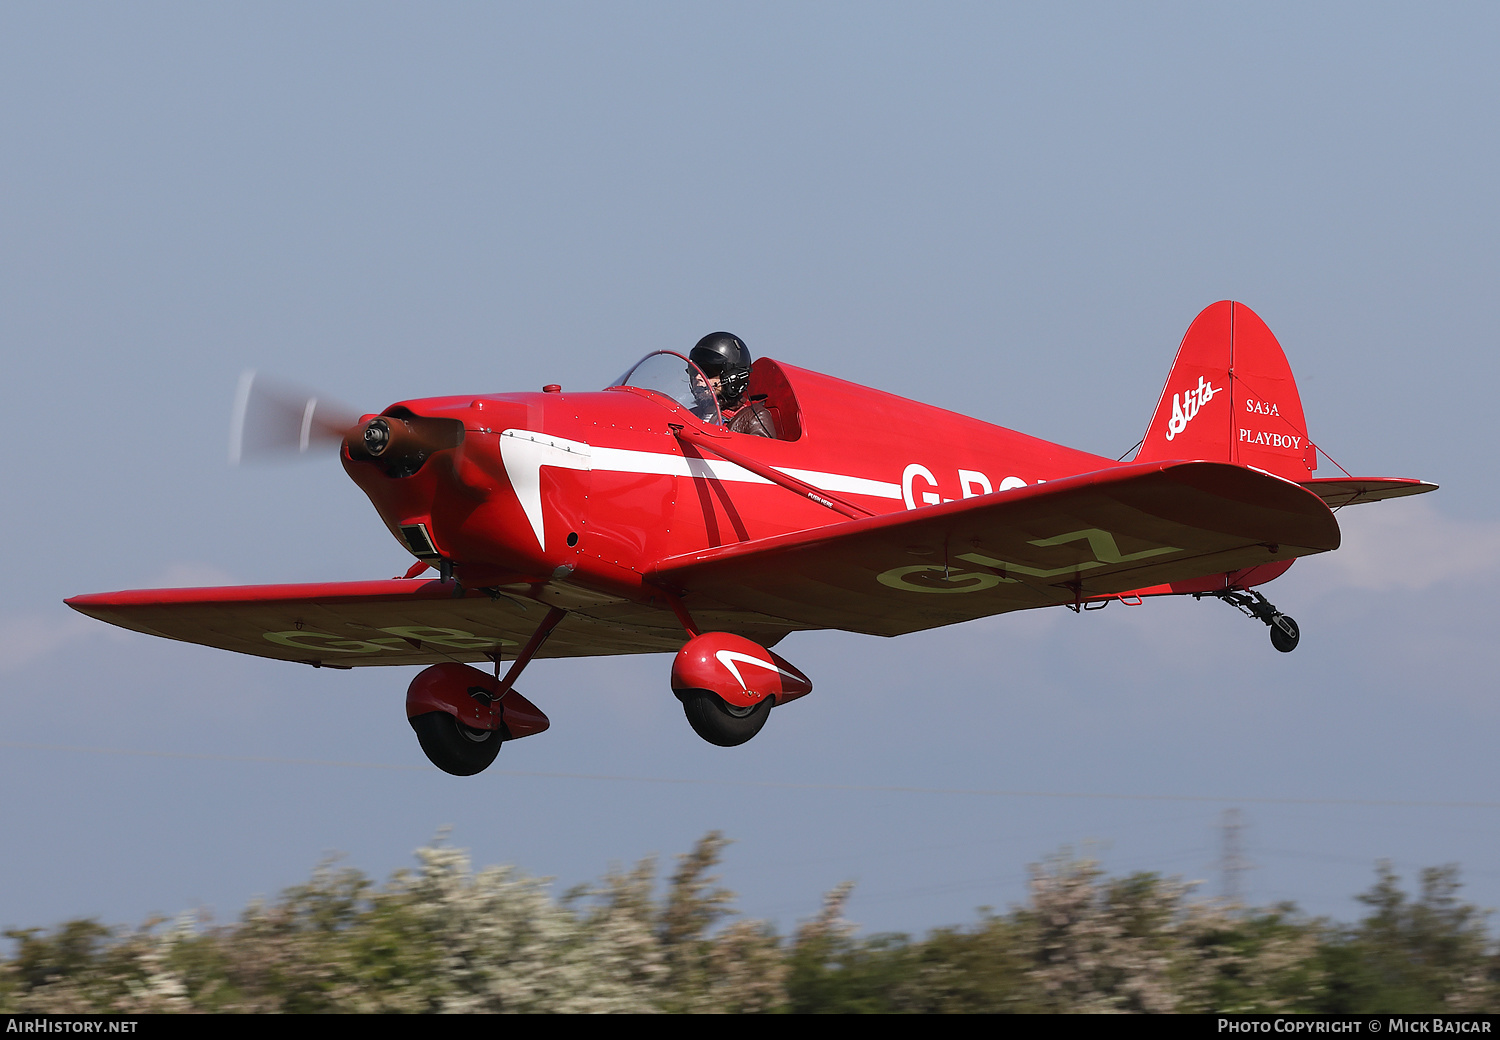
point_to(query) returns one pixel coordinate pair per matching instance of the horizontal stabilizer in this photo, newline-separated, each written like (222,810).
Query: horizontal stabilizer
(1351,491)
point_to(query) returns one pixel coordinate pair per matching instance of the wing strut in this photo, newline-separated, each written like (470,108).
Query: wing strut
(683,617)
(528,651)
(824,498)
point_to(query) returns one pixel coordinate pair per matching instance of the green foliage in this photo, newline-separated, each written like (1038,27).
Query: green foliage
(1426,954)
(72,949)
(444,938)
(1251,961)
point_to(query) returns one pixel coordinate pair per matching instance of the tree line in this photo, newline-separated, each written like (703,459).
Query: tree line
(447,938)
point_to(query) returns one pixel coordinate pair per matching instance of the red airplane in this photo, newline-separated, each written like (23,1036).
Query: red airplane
(632,520)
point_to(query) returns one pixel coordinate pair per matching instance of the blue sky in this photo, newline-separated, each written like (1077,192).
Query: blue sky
(1010,211)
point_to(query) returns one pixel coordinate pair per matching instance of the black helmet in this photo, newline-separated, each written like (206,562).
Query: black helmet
(725,355)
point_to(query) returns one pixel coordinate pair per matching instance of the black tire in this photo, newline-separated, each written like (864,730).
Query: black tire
(452,746)
(720,723)
(1281,639)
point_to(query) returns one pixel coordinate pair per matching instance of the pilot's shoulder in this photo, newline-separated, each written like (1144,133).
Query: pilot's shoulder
(755,419)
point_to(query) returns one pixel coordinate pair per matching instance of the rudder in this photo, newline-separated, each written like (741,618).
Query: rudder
(1230,397)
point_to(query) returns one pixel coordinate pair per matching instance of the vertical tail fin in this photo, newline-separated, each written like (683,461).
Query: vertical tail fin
(1230,397)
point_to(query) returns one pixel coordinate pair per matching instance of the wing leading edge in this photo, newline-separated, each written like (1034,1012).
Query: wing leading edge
(363,623)
(1093,534)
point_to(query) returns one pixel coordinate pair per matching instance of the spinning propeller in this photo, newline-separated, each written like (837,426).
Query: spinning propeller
(272,420)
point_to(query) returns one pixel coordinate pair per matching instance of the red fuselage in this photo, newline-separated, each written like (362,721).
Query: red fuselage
(594,488)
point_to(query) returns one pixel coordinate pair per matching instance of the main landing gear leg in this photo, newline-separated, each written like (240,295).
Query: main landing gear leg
(1284,632)
(461,716)
(528,651)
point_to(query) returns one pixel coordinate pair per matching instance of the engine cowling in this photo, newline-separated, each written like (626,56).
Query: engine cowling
(738,670)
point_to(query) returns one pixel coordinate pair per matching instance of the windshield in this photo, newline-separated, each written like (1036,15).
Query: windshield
(674,377)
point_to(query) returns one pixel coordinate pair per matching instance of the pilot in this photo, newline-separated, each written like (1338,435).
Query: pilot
(724,360)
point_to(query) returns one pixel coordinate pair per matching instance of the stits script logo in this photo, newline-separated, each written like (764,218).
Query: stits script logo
(1185,406)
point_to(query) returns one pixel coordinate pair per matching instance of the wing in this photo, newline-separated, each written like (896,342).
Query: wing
(1111,531)
(1120,529)
(398,622)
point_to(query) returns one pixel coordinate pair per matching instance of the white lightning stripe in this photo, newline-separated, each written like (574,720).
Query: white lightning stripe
(837,482)
(623,460)
(728,657)
(524,453)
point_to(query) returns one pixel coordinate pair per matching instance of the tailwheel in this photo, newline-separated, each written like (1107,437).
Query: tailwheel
(1284,634)
(1284,631)
(722,723)
(452,746)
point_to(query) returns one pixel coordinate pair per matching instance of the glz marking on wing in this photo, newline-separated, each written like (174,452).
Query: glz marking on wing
(1101,543)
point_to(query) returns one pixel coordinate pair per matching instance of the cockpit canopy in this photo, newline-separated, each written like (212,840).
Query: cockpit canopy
(674,377)
(668,373)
